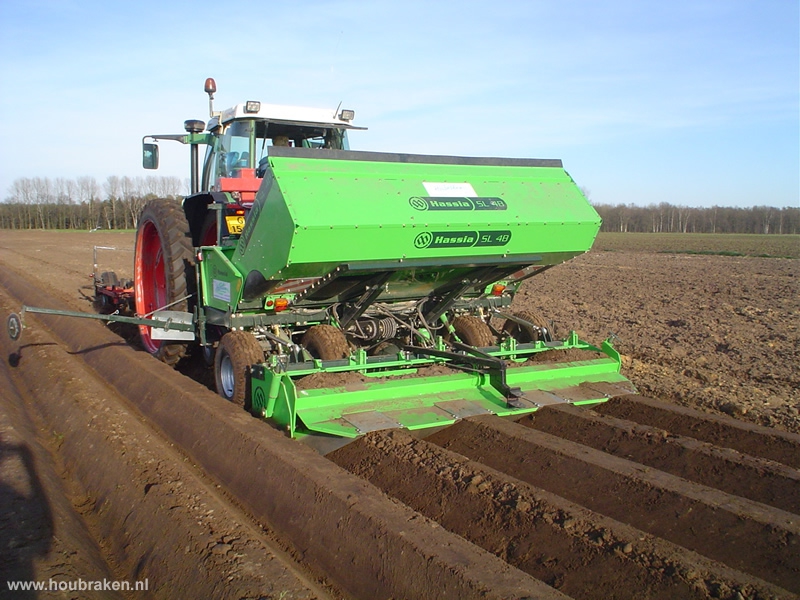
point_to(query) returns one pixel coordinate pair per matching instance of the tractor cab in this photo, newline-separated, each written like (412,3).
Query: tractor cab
(238,142)
(236,160)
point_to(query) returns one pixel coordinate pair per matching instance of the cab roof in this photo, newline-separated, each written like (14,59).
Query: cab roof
(294,115)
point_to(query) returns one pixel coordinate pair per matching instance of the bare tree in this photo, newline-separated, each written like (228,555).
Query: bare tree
(111,188)
(88,192)
(766,218)
(65,192)
(23,194)
(43,198)
(137,199)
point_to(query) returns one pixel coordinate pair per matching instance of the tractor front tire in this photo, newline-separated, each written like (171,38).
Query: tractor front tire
(524,333)
(237,352)
(473,331)
(163,270)
(326,342)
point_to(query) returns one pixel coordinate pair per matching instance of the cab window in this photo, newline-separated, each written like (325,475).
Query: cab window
(238,151)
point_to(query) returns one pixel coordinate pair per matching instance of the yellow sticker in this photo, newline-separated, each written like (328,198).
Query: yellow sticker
(235,224)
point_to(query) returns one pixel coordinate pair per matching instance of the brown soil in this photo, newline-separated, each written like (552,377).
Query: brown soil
(722,526)
(718,333)
(491,493)
(634,498)
(744,462)
(151,523)
(43,534)
(129,508)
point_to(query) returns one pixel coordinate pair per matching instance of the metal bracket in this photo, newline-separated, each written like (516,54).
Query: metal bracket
(481,362)
(166,322)
(184,322)
(372,289)
(443,299)
(547,336)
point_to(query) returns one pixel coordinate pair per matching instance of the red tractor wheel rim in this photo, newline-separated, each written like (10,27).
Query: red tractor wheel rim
(150,278)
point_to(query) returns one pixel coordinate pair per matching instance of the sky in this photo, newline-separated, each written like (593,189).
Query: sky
(691,102)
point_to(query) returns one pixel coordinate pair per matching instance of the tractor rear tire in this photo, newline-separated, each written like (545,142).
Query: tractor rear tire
(525,334)
(163,270)
(473,331)
(237,352)
(326,342)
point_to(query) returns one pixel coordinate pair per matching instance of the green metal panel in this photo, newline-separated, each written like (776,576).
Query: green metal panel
(348,218)
(221,282)
(426,402)
(267,238)
(319,213)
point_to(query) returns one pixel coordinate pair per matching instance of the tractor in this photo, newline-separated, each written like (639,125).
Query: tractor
(338,292)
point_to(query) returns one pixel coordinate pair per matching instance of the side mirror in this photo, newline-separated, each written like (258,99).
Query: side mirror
(150,156)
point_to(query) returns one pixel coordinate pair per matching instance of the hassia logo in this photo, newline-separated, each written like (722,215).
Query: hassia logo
(461,239)
(449,203)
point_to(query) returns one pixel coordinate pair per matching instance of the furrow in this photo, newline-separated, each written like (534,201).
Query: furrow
(576,550)
(726,469)
(745,535)
(772,444)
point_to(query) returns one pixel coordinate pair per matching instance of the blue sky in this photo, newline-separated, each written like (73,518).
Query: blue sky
(692,102)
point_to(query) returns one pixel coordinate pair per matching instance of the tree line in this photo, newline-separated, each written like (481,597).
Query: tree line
(83,203)
(668,218)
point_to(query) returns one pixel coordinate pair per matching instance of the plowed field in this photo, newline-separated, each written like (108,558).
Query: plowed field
(115,467)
